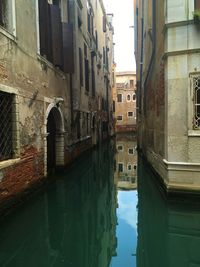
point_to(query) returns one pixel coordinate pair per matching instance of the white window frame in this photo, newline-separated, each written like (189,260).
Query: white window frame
(122,98)
(5,31)
(135,97)
(121,146)
(129,164)
(127,97)
(133,151)
(121,116)
(130,116)
(192,130)
(122,167)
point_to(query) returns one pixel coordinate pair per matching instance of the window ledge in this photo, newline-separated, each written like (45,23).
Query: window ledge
(9,162)
(8,34)
(45,63)
(194,133)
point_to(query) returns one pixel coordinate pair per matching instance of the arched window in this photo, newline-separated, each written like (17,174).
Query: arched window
(128,98)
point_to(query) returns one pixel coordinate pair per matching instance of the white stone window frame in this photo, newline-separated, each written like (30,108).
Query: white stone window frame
(192,130)
(131,115)
(8,33)
(15,126)
(122,163)
(120,149)
(134,95)
(122,98)
(129,165)
(130,149)
(127,98)
(119,116)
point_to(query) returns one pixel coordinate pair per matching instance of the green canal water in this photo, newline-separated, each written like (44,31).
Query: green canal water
(93,216)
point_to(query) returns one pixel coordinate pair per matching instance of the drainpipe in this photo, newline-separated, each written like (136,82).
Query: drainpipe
(70,76)
(153,48)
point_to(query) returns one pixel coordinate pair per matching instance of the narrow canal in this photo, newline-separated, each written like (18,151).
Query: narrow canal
(93,216)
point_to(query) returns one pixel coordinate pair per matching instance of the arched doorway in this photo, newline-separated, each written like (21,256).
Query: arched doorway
(54,156)
(51,142)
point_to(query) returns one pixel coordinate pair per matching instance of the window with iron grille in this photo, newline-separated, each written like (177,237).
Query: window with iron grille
(196,85)
(6,148)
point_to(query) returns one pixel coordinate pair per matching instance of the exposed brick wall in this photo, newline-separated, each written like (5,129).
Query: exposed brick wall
(21,176)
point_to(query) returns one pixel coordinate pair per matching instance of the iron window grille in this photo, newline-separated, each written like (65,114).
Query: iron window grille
(6,146)
(196,85)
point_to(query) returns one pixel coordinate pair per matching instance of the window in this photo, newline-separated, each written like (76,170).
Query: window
(87,82)
(113,106)
(104,23)
(196,85)
(129,167)
(134,97)
(7,16)
(131,151)
(6,110)
(135,167)
(120,167)
(119,97)
(130,114)
(119,117)
(120,147)
(81,66)
(131,83)
(128,98)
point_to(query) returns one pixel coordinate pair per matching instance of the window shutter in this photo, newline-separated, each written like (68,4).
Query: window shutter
(1,13)
(56,30)
(81,66)
(43,18)
(197,4)
(87,75)
(68,51)
(104,23)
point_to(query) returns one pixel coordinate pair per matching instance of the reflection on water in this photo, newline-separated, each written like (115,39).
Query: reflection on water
(80,220)
(168,229)
(126,180)
(72,224)
(126,162)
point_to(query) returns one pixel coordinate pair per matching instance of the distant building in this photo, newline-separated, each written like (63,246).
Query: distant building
(124,97)
(168,89)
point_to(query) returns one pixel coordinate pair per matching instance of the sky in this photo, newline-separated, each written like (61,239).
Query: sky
(124,35)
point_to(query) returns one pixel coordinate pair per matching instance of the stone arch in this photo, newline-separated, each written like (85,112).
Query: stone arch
(54,138)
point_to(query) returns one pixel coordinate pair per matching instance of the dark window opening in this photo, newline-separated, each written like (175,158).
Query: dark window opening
(6,150)
(131,83)
(119,97)
(81,66)
(196,84)
(120,167)
(93,75)
(119,117)
(6,16)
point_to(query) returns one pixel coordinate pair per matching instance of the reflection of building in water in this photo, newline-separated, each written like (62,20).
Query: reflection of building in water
(126,162)
(73,224)
(168,229)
